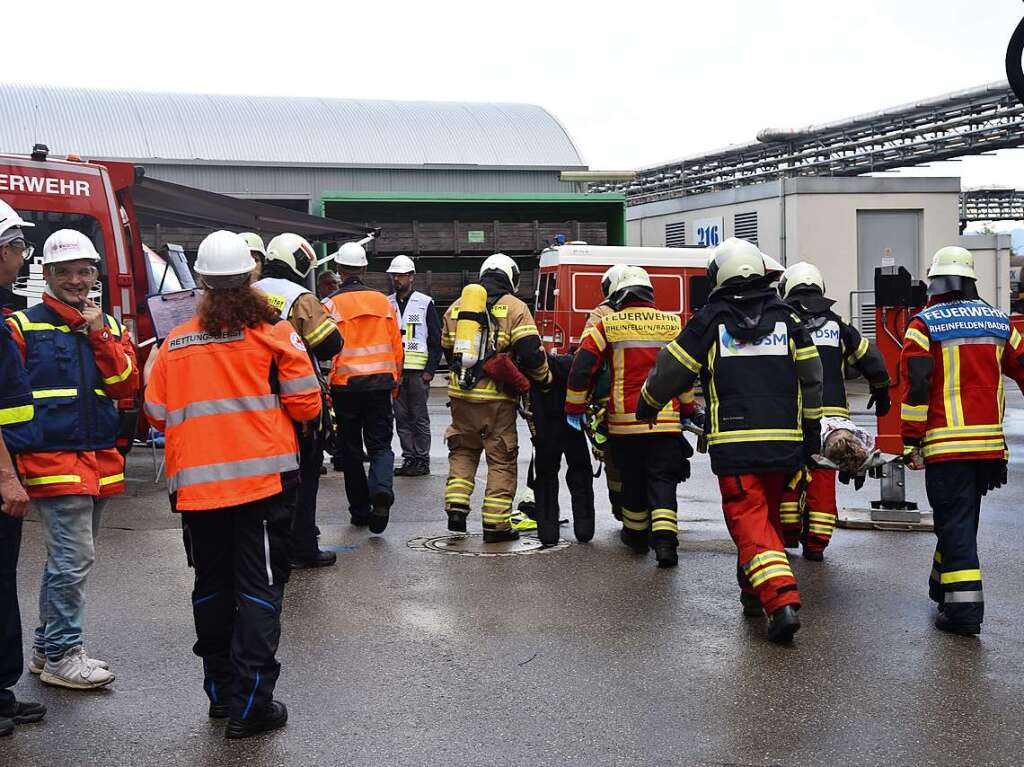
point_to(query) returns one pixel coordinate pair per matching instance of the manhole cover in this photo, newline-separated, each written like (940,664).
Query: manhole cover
(472,545)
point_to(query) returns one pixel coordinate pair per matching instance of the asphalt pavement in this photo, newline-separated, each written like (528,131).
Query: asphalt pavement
(407,653)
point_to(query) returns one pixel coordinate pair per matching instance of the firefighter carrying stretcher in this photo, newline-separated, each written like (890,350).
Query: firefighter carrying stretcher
(652,457)
(812,520)
(955,354)
(761,377)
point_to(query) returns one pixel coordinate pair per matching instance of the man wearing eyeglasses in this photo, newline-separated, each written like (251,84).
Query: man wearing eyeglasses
(79,362)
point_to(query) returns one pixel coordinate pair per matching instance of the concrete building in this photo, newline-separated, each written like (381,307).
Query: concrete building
(992,254)
(447,182)
(845,226)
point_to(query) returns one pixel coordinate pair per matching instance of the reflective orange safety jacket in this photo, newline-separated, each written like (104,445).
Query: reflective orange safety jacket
(228,406)
(77,376)
(372,358)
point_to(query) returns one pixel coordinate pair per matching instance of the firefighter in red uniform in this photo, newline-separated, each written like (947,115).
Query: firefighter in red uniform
(839,346)
(761,376)
(651,456)
(955,354)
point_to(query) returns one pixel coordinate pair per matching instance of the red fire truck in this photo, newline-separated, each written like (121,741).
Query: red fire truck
(569,284)
(94,198)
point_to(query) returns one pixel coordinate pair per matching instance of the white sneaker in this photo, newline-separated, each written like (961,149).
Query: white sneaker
(75,671)
(38,661)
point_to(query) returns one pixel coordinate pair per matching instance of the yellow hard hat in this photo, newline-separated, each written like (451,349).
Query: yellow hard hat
(952,261)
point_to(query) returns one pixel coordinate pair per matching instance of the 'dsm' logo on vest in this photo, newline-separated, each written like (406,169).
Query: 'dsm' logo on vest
(826,335)
(775,344)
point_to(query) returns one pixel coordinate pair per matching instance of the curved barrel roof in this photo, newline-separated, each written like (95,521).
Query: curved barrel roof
(263,130)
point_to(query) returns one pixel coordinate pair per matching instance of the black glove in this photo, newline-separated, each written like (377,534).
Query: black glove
(645,412)
(687,448)
(880,400)
(812,441)
(699,418)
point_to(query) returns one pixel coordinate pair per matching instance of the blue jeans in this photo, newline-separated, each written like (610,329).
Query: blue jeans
(70,524)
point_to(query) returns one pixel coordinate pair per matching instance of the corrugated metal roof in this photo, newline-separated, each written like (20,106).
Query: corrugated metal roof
(180,127)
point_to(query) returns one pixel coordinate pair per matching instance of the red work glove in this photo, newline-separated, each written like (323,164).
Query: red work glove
(502,369)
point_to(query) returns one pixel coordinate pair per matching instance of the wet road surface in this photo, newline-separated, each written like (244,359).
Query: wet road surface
(585,654)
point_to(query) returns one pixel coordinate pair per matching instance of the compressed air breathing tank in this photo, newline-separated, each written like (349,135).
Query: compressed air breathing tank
(470,329)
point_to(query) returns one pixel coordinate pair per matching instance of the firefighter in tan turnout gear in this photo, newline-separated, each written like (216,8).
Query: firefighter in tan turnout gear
(484,332)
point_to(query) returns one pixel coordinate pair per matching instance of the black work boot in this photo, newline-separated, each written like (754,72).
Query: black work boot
(943,623)
(457,521)
(583,527)
(272,717)
(381,512)
(23,712)
(419,469)
(6,727)
(500,536)
(637,540)
(751,605)
(219,711)
(320,559)
(666,551)
(359,520)
(813,555)
(783,624)
(404,469)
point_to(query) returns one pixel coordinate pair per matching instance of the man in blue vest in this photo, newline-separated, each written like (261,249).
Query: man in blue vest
(80,362)
(421,340)
(19,430)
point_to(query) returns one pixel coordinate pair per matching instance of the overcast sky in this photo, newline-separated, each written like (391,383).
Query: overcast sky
(635,83)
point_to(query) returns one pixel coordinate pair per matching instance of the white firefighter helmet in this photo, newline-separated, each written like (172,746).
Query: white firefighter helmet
(772,267)
(502,263)
(9,219)
(633,277)
(401,265)
(802,273)
(952,261)
(610,278)
(255,243)
(352,255)
(68,245)
(735,259)
(293,250)
(224,254)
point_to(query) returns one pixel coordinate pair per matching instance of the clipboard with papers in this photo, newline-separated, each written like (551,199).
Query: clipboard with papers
(168,310)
